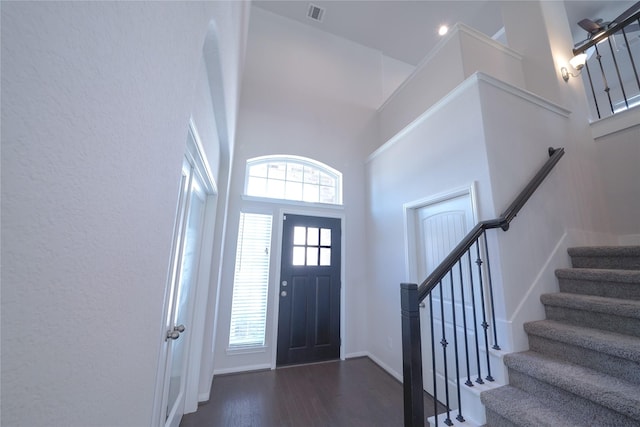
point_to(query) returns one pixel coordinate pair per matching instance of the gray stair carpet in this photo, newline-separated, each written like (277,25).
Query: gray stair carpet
(600,282)
(618,257)
(583,366)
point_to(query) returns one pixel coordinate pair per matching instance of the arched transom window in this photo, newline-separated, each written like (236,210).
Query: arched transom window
(293,178)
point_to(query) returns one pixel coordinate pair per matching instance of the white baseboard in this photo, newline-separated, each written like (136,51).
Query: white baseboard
(203,397)
(630,240)
(530,308)
(386,367)
(356,354)
(238,369)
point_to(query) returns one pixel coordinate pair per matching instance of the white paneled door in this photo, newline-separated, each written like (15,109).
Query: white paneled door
(184,272)
(439,227)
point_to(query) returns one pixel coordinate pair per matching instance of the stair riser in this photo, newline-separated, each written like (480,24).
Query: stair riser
(495,420)
(612,365)
(591,319)
(601,288)
(621,263)
(589,412)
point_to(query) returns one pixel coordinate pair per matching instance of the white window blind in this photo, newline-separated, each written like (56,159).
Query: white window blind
(251,281)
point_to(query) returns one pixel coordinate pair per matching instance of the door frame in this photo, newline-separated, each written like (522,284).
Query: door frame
(195,155)
(410,211)
(275,292)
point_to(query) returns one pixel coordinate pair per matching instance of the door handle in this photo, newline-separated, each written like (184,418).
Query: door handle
(283,293)
(421,305)
(175,333)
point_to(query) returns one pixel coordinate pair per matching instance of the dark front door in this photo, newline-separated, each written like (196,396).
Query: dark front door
(309,314)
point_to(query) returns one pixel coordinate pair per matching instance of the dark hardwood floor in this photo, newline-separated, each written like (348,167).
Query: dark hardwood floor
(350,393)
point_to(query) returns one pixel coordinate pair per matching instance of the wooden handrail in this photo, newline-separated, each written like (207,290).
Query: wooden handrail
(502,221)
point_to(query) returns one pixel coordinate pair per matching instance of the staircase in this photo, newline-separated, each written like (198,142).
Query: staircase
(583,366)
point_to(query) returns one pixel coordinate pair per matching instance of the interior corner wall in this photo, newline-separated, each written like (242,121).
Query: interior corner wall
(96,99)
(524,22)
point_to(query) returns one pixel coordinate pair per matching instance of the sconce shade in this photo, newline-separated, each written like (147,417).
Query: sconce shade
(578,61)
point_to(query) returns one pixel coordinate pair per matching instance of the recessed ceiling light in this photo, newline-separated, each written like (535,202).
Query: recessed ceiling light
(443,30)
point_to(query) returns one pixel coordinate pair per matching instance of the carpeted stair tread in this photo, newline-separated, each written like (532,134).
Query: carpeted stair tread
(600,275)
(605,251)
(609,392)
(608,283)
(615,306)
(619,345)
(524,409)
(621,257)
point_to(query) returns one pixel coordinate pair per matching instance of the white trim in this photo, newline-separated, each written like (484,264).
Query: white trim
(457,28)
(525,95)
(560,248)
(290,202)
(460,90)
(356,355)
(615,123)
(237,369)
(386,367)
(203,397)
(199,158)
(232,351)
(409,210)
(629,239)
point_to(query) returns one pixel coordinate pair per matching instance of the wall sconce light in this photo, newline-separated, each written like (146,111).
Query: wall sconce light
(576,62)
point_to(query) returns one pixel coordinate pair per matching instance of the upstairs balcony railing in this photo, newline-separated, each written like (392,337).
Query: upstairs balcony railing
(466,321)
(613,64)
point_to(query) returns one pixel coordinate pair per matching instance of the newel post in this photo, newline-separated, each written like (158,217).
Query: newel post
(411,356)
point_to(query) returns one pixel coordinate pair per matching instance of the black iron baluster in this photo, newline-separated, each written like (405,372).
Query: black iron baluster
(475,321)
(493,311)
(455,346)
(433,359)
(485,325)
(464,323)
(593,92)
(607,89)
(444,344)
(633,64)
(615,62)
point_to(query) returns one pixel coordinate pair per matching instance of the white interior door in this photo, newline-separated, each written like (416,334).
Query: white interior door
(190,222)
(439,228)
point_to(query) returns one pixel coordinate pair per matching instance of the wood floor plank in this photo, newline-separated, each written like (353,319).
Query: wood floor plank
(350,393)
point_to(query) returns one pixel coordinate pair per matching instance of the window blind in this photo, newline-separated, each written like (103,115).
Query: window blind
(251,281)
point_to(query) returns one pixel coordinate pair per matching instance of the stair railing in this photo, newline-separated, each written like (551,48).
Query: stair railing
(619,82)
(450,274)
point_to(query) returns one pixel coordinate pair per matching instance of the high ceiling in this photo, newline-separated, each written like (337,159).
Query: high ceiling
(408,30)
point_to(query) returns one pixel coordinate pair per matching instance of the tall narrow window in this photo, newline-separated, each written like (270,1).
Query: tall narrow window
(293,178)
(251,281)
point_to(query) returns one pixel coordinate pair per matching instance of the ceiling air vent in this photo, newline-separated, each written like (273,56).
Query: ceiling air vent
(316,13)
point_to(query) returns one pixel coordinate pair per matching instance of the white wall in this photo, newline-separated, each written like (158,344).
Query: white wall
(462,52)
(311,94)
(618,157)
(96,99)
(443,150)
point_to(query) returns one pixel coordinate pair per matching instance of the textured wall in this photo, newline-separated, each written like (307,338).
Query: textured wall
(96,99)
